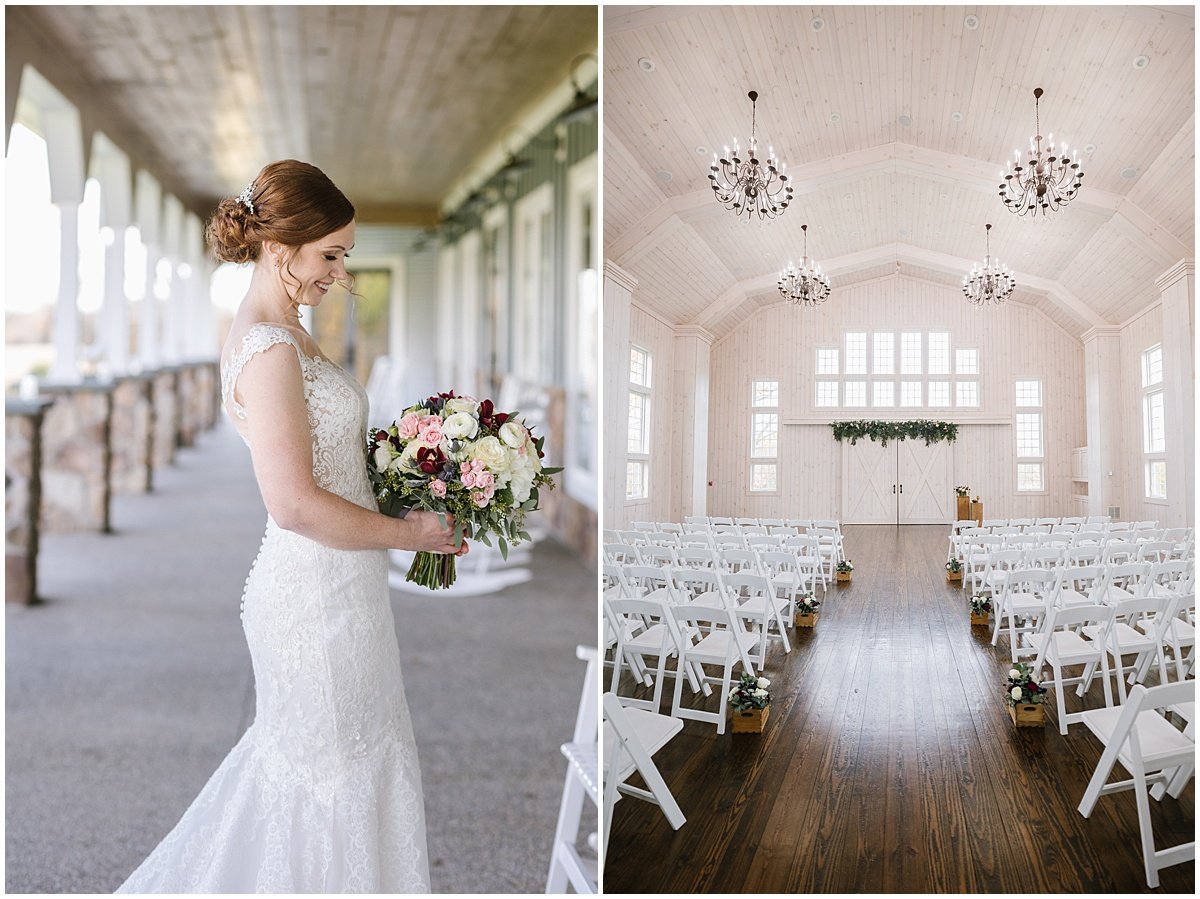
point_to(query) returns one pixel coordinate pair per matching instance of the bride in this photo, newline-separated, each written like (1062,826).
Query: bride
(322,793)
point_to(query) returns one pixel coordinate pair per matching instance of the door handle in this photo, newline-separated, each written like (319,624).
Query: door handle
(901,488)
(893,490)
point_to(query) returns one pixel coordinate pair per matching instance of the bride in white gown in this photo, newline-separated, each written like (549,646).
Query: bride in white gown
(322,793)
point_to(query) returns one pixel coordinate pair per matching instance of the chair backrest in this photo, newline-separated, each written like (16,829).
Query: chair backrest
(1049,521)
(1052,539)
(735,540)
(636,537)
(1140,609)
(746,521)
(643,526)
(831,523)
(747,583)
(635,613)
(690,581)
(1038,529)
(1004,559)
(753,529)
(764,540)
(614,575)
(1098,519)
(1144,525)
(1064,528)
(621,553)
(1043,556)
(660,555)
(1080,578)
(696,557)
(1082,555)
(1032,580)
(1072,520)
(647,578)
(962,523)
(1006,530)
(720,519)
(705,613)
(1155,550)
(695,519)
(991,523)
(662,538)
(670,528)
(1020,522)
(692,527)
(1120,551)
(1177,574)
(771,522)
(739,560)
(1132,576)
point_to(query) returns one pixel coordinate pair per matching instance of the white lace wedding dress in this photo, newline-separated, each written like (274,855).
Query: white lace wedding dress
(322,793)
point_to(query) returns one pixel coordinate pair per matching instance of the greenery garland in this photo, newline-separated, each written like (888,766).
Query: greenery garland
(883,431)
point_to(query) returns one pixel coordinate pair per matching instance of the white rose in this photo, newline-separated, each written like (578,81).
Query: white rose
(521,483)
(1016,694)
(532,455)
(1014,673)
(760,692)
(460,426)
(763,682)
(383,456)
(467,404)
(513,434)
(491,452)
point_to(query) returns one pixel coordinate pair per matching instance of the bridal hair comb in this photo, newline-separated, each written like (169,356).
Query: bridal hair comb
(244,197)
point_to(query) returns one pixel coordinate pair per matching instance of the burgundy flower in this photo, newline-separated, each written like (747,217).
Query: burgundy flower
(430,459)
(381,436)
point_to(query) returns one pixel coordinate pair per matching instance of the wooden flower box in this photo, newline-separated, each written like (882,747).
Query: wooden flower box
(809,620)
(1028,714)
(843,577)
(979,618)
(963,507)
(750,721)
(954,577)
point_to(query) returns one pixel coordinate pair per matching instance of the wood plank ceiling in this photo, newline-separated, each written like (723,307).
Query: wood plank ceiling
(393,102)
(894,123)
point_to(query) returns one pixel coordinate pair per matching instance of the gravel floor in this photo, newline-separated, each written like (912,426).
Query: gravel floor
(130,683)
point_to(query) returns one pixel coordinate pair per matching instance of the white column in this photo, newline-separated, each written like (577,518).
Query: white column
(1102,376)
(173,308)
(618,302)
(1178,289)
(195,343)
(66,307)
(689,422)
(148,203)
(116,196)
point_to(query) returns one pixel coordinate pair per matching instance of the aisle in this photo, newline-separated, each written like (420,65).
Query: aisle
(126,689)
(889,764)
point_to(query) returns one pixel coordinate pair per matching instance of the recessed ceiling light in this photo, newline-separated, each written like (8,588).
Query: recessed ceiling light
(1090,149)
(905,120)
(957,116)
(1129,173)
(702,151)
(971,21)
(817,23)
(835,117)
(646,64)
(1140,62)
(662,175)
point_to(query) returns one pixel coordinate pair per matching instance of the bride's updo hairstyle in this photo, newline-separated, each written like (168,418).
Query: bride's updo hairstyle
(289,202)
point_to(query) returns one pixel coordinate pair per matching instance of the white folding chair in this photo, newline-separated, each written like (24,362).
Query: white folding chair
(726,644)
(790,576)
(1079,585)
(757,601)
(734,560)
(995,571)
(976,552)
(1125,637)
(661,555)
(645,627)
(1123,582)
(1027,597)
(631,738)
(954,551)
(1059,646)
(1153,752)
(566,865)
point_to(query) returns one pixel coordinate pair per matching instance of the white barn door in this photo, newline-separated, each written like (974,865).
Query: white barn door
(906,482)
(868,483)
(924,478)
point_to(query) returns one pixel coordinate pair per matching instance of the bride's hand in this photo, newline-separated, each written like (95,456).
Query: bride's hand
(427,533)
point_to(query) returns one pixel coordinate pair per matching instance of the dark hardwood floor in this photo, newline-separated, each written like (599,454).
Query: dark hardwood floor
(889,764)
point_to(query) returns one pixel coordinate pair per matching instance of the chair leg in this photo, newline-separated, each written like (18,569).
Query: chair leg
(1144,826)
(1059,699)
(565,832)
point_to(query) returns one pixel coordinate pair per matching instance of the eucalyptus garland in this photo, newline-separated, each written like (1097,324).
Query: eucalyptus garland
(883,431)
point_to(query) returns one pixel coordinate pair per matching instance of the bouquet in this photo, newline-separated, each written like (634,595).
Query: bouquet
(845,567)
(750,693)
(982,605)
(454,455)
(961,491)
(1021,688)
(806,605)
(954,566)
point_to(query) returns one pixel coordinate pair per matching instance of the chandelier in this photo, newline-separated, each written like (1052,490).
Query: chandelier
(750,186)
(991,284)
(1049,181)
(806,285)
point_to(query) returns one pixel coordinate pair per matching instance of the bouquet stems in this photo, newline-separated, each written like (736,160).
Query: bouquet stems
(432,570)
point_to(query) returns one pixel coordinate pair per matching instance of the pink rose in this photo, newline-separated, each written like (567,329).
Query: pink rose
(479,498)
(430,420)
(484,481)
(408,426)
(431,436)
(438,488)
(468,478)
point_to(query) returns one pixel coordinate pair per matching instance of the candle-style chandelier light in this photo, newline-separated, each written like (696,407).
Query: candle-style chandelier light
(751,185)
(806,285)
(1051,178)
(990,284)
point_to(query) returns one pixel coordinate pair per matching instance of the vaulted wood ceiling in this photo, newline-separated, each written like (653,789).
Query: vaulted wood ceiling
(876,192)
(393,102)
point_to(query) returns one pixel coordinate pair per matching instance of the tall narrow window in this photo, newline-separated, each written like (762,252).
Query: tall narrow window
(910,353)
(856,352)
(827,361)
(939,352)
(1031,450)
(884,353)
(1154,427)
(764,436)
(637,466)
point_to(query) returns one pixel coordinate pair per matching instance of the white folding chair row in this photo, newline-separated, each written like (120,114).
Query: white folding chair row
(1064,641)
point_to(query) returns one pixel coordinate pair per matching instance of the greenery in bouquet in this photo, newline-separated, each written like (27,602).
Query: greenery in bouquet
(1021,687)
(845,567)
(962,491)
(455,455)
(981,604)
(750,693)
(954,566)
(807,604)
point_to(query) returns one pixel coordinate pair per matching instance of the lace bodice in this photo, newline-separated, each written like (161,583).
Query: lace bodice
(337,412)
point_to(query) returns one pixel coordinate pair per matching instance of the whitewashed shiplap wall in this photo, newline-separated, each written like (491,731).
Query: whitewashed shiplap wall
(1137,336)
(779,342)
